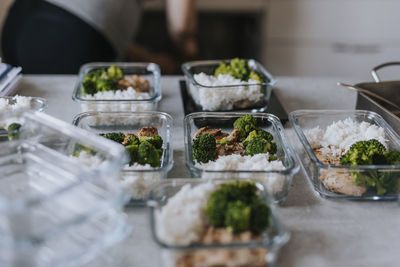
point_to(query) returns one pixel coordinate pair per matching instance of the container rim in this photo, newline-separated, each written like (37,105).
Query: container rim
(186,69)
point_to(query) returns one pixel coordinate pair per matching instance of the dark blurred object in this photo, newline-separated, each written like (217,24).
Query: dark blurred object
(219,35)
(43,38)
(388,90)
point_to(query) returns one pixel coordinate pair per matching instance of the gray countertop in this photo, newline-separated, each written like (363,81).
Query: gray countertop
(323,232)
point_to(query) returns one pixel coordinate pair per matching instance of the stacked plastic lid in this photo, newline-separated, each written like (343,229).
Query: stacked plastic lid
(60,200)
(9,78)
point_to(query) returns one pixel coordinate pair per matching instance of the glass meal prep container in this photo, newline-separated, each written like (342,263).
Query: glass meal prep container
(137,182)
(149,71)
(49,200)
(316,171)
(272,239)
(251,97)
(276,181)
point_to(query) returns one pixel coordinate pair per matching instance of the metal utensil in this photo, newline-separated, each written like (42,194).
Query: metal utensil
(367,92)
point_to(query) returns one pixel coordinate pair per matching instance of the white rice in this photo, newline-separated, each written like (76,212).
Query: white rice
(137,184)
(17,103)
(183,219)
(275,183)
(339,136)
(223,98)
(128,94)
(258,162)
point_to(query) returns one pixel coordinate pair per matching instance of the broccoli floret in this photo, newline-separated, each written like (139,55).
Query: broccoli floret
(216,208)
(235,205)
(13,131)
(133,153)
(156,141)
(116,137)
(222,141)
(237,216)
(132,140)
(204,148)
(78,148)
(363,153)
(369,179)
(246,124)
(148,154)
(258,133)
(237,68)
(392,157)
(260,215)
(106,84)
(243,191)
(89,86)
(115,72)
(254,76)
(258,145)
(390,181)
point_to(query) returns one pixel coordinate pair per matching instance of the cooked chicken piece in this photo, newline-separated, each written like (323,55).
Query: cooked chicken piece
(229,149)
(126,139)
(148,131)
(338,180)
(242,104)
(233,136)
(218,134)
(243,257)
(137,82)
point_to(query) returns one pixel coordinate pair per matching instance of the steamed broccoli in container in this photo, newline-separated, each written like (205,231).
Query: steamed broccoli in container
(239,69)
(372,152)
(237,207)
(246,139)
(13,131)
(142,149)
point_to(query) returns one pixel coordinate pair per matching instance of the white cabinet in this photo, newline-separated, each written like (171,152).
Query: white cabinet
(343,38)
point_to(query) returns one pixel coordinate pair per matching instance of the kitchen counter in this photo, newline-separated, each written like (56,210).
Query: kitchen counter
(323,232)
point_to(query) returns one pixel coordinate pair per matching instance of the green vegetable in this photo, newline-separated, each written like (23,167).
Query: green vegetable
(363,153)
(260,216)
(222,141)
(148,154)
(259,145)
(133,153)
(254,76)
(258,133)
(239,69)
(115,72)
(246,124)
(13,131)
(101,80)
(156,141)
(116,137)
(132,140)
(78,148)
(204,148)
(237,216)
(372,152)
(237,206)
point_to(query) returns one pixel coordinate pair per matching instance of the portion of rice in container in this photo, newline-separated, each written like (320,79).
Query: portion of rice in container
(350,154)
(240,146)
(237,84)
(221,223)
(146,137)
(17,104)
(118,87)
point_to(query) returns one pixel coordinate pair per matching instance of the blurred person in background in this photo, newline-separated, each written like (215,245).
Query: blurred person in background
(58,36)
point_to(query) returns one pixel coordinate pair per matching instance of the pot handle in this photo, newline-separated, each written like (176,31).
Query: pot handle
(374,70)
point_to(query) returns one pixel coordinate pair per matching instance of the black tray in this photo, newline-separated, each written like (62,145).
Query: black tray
(274,106)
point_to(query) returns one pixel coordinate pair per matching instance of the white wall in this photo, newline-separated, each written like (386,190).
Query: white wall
(344,38)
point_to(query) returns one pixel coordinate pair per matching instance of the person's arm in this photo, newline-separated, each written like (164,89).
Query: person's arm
(182,25)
